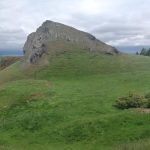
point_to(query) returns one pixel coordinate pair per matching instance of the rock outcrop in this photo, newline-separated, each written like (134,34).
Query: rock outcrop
(52,37)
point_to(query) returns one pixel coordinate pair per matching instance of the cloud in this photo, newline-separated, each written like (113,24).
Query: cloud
(115,22)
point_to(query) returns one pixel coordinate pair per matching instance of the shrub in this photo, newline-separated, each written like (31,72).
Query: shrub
(147,96)
(131,101)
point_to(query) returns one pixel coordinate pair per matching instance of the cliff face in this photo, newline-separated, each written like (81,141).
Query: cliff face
(54,37)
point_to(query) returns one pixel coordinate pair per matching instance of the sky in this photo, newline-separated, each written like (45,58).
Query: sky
(116,22)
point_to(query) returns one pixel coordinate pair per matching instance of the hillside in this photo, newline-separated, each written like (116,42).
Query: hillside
(68,104)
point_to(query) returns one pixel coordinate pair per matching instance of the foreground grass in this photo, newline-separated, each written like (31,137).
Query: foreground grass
(69,105)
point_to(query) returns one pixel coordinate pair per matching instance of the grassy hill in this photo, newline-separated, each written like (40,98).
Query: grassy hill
(68,105)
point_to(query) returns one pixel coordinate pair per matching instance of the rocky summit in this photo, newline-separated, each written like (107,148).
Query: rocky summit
(53,38)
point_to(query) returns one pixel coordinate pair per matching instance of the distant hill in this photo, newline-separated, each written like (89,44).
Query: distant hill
(11,53)
(131,49)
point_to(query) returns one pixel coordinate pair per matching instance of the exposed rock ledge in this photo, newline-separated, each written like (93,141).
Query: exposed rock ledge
(48,37)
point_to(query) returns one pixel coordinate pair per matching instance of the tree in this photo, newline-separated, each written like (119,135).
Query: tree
(148,52)
(143,52)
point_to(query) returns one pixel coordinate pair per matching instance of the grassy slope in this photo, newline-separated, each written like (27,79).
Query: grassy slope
(69,105)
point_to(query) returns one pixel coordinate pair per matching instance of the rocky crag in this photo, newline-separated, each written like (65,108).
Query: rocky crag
(55,38)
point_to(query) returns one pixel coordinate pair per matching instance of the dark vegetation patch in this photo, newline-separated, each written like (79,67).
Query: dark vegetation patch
(7,61)
(133,101)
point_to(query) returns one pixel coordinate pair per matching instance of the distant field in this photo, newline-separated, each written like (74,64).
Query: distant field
(68,105)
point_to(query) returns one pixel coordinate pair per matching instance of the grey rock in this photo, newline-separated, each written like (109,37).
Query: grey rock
(50,34)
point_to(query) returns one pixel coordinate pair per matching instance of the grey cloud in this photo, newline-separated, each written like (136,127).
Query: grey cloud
(11,39)
(116,22)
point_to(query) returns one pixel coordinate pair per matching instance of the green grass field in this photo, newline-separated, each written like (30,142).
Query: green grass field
(69,105)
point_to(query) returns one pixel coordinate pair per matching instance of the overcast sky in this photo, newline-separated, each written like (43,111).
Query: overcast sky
(116,22)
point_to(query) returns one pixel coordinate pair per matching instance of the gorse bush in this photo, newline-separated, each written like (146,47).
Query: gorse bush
(147,96)
(133,101)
